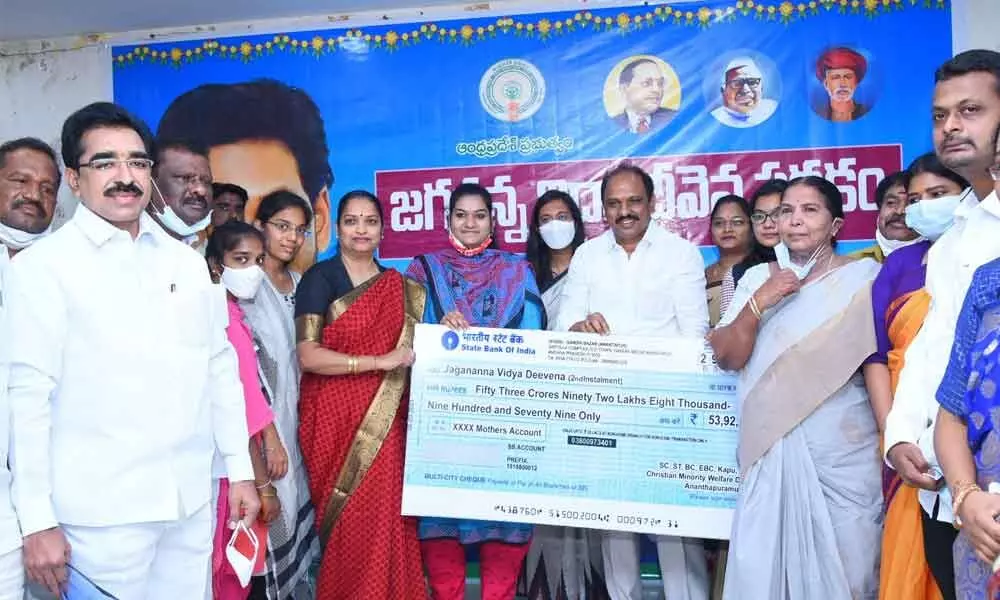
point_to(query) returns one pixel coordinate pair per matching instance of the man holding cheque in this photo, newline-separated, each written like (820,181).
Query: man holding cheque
(639,280)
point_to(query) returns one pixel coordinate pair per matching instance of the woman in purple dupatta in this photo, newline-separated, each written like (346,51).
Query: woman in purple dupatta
(471,284)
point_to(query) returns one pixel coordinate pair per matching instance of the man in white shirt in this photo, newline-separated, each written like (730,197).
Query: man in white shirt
(121,385)
(966,117)
(639,279)
(29,181)
(182,192)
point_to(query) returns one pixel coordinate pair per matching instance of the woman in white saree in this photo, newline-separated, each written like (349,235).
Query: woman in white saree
(808,520)
(292,543)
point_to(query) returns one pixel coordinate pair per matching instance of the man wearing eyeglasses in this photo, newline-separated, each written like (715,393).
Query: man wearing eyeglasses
(743,101)
(182,185)
(122,385)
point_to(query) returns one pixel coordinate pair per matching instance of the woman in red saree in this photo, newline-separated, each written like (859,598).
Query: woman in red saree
(354,324)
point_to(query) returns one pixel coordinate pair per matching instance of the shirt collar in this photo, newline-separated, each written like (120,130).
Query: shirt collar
(634,119)
(968,203)
(653,231)
(99,231)
(991,204)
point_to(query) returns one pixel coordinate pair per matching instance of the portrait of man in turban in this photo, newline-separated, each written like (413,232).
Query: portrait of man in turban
(840,70)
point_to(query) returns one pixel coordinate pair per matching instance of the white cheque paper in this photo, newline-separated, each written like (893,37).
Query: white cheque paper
(619,433)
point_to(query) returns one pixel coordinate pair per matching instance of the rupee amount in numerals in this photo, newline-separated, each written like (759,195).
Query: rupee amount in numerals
(726,421)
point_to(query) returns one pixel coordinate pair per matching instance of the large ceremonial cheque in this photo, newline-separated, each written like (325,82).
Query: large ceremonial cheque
(620,433)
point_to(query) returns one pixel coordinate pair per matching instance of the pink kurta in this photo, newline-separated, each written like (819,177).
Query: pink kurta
(225,585)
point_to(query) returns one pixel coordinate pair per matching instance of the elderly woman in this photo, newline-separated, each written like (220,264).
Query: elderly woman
(808,518)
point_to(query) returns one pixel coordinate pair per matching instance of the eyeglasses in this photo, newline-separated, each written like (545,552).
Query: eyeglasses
(742,81)
(759,216)
(141,165)
(732,223)
(285,227)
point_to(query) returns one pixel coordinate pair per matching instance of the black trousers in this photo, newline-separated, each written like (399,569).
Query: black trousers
(258,589)
(938,539)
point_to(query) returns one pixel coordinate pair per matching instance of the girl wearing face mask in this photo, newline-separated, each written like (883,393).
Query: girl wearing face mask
(563,562)
(899,304)
(355,323)
(731,235)
(798,331)
(235,253)
(284,218)
(470,283)
(556,231)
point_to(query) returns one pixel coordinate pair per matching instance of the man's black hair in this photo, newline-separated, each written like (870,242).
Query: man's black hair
(94,116)
(29,143)
(264,109)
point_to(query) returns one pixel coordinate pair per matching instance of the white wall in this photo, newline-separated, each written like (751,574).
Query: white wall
(40,88)
(42,82)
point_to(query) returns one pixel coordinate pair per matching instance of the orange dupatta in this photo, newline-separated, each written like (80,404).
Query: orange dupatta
(904,566)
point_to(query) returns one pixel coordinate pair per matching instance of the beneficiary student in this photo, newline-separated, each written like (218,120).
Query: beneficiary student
(473,284)
(639,279)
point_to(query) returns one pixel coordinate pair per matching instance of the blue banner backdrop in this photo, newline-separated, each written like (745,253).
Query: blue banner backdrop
(712,97)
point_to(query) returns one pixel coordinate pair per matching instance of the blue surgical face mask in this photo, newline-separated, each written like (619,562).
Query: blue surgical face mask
(785,261)
(931,218)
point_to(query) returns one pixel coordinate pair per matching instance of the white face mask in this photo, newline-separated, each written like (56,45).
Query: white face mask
(785,261)
(931,218)
(243,283)
(558,234)
(169,219)
(15,239)
(888,246)
(242,543)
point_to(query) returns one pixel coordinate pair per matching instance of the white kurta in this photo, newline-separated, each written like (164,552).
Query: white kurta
(657,291)
(122,385)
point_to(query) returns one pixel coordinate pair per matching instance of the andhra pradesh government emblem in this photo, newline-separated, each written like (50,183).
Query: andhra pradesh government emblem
(512,90)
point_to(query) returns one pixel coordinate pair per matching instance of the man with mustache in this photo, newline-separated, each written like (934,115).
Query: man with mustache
(841,70)
(891,232)
(642,86)
(122,384)
(29,181)
(182,182)
(229,203)
(263,135)
(639,279)
(743,101)
(966,119)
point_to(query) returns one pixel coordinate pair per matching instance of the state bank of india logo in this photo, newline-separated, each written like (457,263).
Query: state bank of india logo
(512,90)
(449,340)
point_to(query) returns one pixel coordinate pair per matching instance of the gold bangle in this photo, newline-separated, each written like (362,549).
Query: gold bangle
(961,494)
(352,365)
(754,307)
(271,495)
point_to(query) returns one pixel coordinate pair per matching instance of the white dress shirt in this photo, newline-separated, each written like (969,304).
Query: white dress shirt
(122,381)
(10,535)
(658,291)
(969,243)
